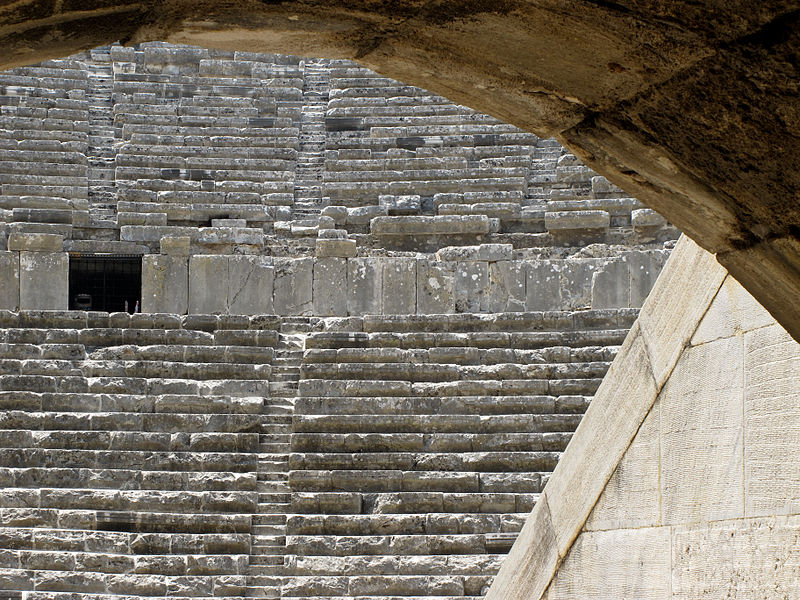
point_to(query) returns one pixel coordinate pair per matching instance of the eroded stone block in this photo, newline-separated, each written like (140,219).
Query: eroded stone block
(435,288)
(293,286)
(364,286)
(399,294)
(329,291)
(701,434)
(43,280)
(9,275)
(165,284)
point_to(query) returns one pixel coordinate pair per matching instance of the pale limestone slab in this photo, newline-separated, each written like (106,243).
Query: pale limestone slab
(293,285)
(576,283)
(330,279)
(364,286)
(771,422)
(701,434)
(507,287)
(732,311)
(533,558)
(737,560)
(677,303)
(208,284)
(435,288)
(250,284)
(616,565)
(620,405)
(632,497)
(43,280)
(543,287)
(177,245)
(611,285)
(36,242)
(399,294)
(165,284)
(645,268)
(9,275)
(471,283)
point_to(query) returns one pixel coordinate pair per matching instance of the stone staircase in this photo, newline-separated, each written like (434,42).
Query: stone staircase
(104,138)
(268,546)
(308,194)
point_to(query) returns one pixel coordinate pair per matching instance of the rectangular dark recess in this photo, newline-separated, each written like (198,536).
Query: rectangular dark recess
(105,281)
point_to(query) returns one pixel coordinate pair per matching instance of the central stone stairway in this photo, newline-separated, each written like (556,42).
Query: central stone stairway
(311,157)
(103,137)
(268,545)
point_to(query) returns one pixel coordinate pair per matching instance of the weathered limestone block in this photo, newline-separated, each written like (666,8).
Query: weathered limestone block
(435,288)
(627,563)
(576,219)
(732,311)
(748,558)
(487,252)
(36,242)
(250,285)
(771,418)
(646,217)
(611,285)
(364,286)
(208,284)
(471,285)
(399,295)
(701,434)
(400,205)
(543,286)
(576,283)
(337,213)
(443,225)
(631,498)
(9,275)
(43,280)
(644,269)
(506,287)
(293,286)
(175,245)
(329,292)
(603,188)
(165,284)
(343,248)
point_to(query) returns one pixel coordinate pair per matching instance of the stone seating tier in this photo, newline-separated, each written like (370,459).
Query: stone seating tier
(129,452)
(405,481)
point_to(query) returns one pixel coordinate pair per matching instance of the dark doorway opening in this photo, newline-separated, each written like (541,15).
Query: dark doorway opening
(107,282)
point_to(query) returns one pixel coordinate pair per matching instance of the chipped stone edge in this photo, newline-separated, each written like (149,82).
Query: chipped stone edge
(672,312)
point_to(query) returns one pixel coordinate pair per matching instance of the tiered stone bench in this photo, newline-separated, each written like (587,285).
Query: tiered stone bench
(421,443)
(166,170)
(128,455)
(43,141)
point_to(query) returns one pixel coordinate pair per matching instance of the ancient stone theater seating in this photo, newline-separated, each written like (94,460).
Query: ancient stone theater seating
(372,320)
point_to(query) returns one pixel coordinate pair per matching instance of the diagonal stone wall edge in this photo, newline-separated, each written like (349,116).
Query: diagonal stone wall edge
(682,294)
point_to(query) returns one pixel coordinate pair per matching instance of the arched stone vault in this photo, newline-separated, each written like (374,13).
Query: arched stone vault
(690,106)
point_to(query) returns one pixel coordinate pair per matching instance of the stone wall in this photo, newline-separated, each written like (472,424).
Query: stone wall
(686,489)
(703,501)
(465,279)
